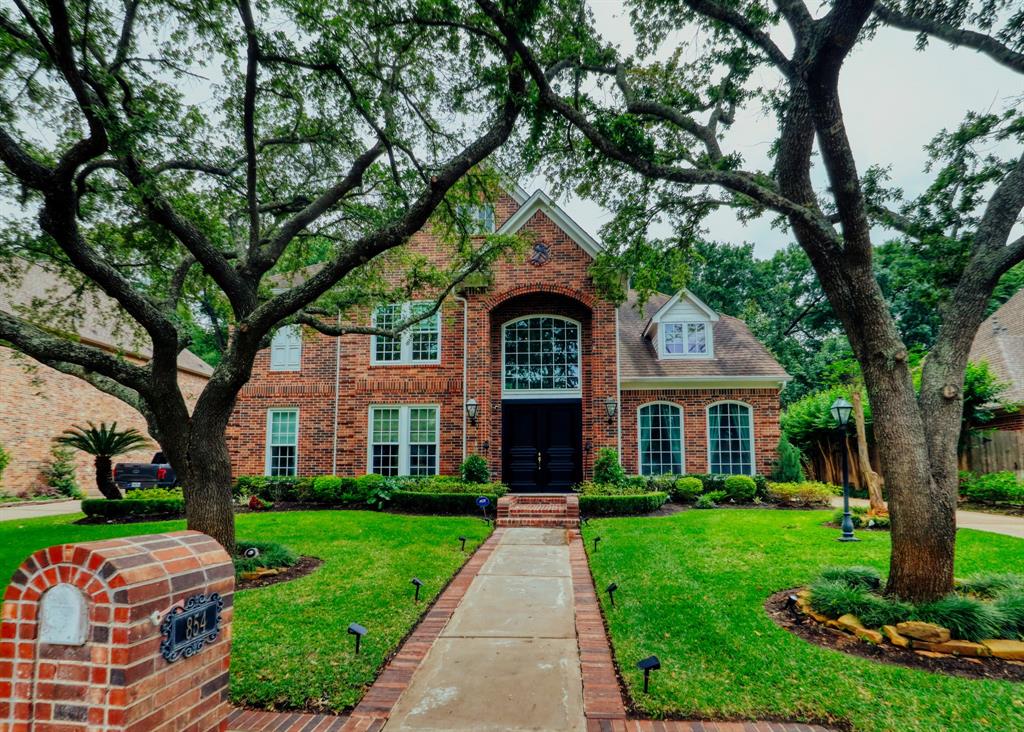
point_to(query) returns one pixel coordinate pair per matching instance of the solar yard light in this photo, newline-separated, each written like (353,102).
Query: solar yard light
(651,663)
(611,592)
(463,540)
(794,610)
(596,539)
(358,631)
(417,583)
(841,410)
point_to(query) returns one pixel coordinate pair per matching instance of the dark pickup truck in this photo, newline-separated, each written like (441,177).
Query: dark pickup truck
(155,474)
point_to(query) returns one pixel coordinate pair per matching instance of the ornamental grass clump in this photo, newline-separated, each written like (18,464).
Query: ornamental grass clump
(856,576)
(268,555)
(1011,607)
(967,618)
(990,584)
(837,597)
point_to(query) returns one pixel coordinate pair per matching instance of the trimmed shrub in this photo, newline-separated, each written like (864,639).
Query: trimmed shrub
(711,481)
(621,504)
(709,499)
(449,484)
(607,468)
(105,508)
(61,474)
(740,488)
(271,555)
(593,488)
(153,494)
(278,488)
(686,489)
(808,493)
(1000,487)
(664,483)
(1011,606)
(474,470)
(332,490)
(966,617)
(990,584)
(439,503)
(856,576)
(788,467)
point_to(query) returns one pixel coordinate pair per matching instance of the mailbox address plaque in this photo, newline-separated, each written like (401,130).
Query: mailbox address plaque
(187,629)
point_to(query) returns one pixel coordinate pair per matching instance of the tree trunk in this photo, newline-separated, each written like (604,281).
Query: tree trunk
(208,504)
(105,478)
(872,480)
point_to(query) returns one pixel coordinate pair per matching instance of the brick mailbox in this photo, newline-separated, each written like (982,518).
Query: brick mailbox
(131,633)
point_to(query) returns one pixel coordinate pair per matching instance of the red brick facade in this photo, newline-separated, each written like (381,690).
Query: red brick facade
(116,678)
(337,384)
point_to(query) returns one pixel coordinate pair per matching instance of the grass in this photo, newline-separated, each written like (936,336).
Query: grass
(692,591)
(290,648)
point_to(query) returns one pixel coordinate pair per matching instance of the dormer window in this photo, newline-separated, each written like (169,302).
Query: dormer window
(685,339)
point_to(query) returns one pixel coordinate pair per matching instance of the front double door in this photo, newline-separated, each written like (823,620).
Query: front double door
(541,444)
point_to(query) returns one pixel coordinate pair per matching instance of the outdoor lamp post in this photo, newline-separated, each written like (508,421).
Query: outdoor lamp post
(471,410)
(841,410)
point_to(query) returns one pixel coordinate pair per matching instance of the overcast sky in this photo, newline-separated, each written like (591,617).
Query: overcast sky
(895,99)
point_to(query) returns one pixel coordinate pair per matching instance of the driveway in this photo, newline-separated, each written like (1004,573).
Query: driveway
(24,511)
(993,522)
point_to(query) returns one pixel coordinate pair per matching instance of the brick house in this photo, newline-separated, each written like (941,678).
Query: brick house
(531,369)
(37,402)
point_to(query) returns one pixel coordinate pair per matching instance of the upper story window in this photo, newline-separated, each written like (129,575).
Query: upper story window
(286,349)
(419,343)
(541,354)
(481,218)
(685,339)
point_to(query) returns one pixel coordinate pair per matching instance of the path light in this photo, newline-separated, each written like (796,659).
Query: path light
(794,610)
(596,539)
(471,410)
(417,583)
(651,663)
(611,592)
(463,540)
(841,410)
(251,553)
(358,631)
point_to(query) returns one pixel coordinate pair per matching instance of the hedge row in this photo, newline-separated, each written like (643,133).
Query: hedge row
(622,505)
(130,507)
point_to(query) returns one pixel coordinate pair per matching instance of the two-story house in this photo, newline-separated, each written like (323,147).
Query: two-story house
(532,370)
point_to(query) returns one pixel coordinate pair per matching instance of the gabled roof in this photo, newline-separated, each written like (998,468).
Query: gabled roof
(683,294)
(738,355)
(541,201)
(999,342)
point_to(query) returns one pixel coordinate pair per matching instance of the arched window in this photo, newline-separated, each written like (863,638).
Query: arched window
(661,439)
(730,439)
(541,354)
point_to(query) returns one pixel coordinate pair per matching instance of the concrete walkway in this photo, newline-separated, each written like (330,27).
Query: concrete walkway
(993,522)
(23,511)
(508,659)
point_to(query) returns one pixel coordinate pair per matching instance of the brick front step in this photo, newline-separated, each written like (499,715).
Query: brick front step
(549,512)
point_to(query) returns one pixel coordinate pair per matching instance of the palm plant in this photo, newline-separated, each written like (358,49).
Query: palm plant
(103,442)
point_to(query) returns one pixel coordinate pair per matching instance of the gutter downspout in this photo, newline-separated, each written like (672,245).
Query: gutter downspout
(337,388)
(465,365)
(618,383)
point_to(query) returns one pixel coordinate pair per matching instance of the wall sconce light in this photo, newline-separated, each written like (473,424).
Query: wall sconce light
(610,408)
(471,410)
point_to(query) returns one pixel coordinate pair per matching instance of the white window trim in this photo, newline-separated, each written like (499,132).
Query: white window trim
(403,435)
(543,393)
(682,435)
(266,457)
(709,334)
(286,331)
(405,339)
(753,442)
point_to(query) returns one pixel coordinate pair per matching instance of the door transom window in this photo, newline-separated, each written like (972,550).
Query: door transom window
(541,354)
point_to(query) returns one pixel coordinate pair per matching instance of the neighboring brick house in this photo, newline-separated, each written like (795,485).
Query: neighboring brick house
(531,369)
(37,403)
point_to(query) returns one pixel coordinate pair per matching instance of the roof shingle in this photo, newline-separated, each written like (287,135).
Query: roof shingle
(1000,343)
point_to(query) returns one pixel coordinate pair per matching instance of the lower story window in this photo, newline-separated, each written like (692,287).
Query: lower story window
(661,440)
(282,442)
(403,440)
(730,439)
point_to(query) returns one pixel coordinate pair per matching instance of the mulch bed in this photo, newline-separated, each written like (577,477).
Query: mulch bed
(812,631)
(305,565)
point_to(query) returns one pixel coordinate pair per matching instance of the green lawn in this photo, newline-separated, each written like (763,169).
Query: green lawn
(290,646)
(692,588)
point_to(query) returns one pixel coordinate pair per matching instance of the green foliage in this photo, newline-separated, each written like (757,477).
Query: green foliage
(686,489)
(594,488)
(153,494)
(867,578)
(788,467)
(5,460)
(740,488)
(629,504)
(837,597)
(966,617)
(860,518)
(474,469)
(1010,606)
(440,504)
(807,493)
(105,508)
(1002,487)
(709,499)
(990,584)
(607,468)
(271,555)
(60,473)
(450,484)
(103,440)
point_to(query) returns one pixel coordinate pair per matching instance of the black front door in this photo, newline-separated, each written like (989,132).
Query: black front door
(541,445)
